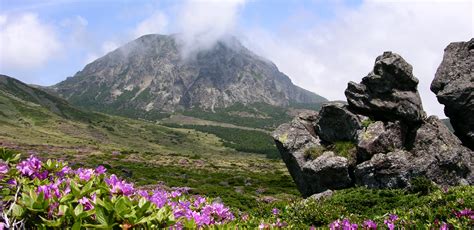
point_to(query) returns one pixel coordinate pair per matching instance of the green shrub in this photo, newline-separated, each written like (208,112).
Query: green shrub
(314,152)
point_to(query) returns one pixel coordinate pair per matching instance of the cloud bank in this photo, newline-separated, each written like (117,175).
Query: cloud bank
(202,23)
(325,57)
(26,42)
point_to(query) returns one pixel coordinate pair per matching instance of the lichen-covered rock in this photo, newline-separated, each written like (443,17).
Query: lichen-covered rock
(389,170)
(438,155)
(328,171)
(400,145)
(388,92)
(337,123)
(454,87)
(379,138)
(292,139)
(435,153)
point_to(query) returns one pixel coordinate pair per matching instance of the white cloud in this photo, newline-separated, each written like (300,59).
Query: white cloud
(325,57)
(202,23)
(156,23)
(105,48)
(26,42)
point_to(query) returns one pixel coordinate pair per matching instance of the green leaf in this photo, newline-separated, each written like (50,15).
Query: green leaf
(66,198)
(87,188)
(63,209)
(75,189)
(78,210)
(101,216)
(17,210)
(77,225)
(52,223)
(121,206)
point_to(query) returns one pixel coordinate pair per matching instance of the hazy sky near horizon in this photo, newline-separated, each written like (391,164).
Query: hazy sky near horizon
(320,45)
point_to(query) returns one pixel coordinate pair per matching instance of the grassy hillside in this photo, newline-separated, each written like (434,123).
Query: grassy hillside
(146,152)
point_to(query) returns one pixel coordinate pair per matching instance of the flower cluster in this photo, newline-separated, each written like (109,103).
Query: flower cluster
(343,225)
(89,196)
(390,222)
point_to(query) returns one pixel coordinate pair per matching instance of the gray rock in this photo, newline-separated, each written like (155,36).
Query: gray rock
(337,123)
(388,92)
(438,154)
(327,172)
(389,170)
(435,153)
(292,139)
(454,87)
(318,196)
(379,138)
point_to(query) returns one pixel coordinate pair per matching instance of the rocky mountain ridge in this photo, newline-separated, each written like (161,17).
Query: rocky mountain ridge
(380,139)
(149,74)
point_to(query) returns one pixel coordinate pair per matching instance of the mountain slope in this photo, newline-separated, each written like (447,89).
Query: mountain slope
(18,99)
(149,75)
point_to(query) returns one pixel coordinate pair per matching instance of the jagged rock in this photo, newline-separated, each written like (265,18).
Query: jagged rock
(454,87)
(438,155)
(379,138)
(399,145)
(292,139)
(328,171)
(337,123)
(435,154)
(388,92)
(389,170)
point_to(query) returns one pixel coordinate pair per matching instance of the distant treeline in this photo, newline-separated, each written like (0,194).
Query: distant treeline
(250,141)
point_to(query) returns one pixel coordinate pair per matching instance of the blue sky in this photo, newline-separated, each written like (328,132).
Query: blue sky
(320,45)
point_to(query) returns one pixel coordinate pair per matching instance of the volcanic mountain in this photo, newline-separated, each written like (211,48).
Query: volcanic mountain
(150,74)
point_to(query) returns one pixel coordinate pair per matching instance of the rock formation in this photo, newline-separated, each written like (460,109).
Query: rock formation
(387,137)
(454,87)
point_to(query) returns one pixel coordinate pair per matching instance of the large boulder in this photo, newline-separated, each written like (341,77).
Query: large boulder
(435,153)
(439,155)
(388,92)
(391,170)
(311,176)
(454,87)
(337,123)
(394,140)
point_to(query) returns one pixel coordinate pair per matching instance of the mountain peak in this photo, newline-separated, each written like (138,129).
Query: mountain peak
(150,73)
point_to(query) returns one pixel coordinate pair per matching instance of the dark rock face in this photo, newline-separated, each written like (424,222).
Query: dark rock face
(454,87)
(388,92)
(336,122)
(293,139)
(379,138)
(394,140)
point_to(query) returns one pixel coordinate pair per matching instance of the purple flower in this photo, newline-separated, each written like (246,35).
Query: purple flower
(275,211)
(44,189)
(29,166)
(64,171)
(389,224)
(4,168)
(444,226)
(335,225)
(199,201)
(118,186)
(393,217)
(465,213)
(86,203)
(41,175)
(100,170)
(370,224)
(85,174)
